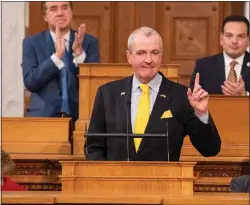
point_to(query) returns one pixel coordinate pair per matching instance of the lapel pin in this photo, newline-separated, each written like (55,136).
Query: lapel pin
(163,96)
(123,93)
(248,64)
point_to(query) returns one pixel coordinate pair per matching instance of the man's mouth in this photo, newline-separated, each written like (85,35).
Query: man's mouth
(234,48)
(148,66)
(60,21)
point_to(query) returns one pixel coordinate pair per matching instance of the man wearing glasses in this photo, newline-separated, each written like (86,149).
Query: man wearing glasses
(227,73)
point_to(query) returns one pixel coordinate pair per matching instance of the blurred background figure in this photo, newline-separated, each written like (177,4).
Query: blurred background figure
(240,184)
(8,167)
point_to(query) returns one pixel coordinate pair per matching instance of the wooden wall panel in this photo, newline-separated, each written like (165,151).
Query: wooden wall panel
(97,17)
(36,22)
(125,22)
(190,30)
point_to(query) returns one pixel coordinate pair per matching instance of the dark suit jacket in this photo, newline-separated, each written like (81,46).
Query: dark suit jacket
(240,184)
(42,77)
(212,73)
(110,113)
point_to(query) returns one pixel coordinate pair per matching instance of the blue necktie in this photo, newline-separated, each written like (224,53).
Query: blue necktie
(64,84)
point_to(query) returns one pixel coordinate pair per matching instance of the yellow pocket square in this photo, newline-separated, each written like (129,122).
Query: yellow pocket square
(167,114)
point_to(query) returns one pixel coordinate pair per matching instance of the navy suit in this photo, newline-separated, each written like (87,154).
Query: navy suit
(109,115)
(212,73)
(42,77)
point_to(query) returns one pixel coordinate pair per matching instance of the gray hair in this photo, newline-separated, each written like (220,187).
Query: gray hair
(146,31)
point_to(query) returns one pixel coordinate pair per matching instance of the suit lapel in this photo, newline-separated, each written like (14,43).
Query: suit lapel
(220,70)
(124,109)
(48,47)
(245,71)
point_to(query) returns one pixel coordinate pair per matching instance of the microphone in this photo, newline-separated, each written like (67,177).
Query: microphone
(128,103)
(167,140)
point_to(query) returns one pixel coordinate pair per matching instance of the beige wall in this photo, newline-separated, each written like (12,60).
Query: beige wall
(13,32)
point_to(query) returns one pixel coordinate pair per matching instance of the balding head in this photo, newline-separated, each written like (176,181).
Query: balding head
(148,32)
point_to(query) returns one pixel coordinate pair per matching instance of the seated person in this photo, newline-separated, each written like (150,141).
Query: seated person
(228,72)
(7,167)
(148,102)
(50,63)
(240,184)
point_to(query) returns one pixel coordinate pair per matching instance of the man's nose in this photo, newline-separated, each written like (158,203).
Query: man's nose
(235,39)
(148,58)
(59,11)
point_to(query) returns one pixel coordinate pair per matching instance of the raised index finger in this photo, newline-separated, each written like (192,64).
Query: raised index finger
(197,80)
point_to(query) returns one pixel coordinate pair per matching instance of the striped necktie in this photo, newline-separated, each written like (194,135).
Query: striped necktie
(232,76)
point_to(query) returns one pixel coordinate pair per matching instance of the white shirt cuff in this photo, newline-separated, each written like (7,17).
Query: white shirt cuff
(203,118)
(57,61)
(79,59)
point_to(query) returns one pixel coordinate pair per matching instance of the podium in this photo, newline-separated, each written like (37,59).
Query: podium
(128,177)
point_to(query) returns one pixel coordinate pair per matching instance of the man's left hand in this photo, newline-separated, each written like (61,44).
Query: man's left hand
(198,98)
(79,37)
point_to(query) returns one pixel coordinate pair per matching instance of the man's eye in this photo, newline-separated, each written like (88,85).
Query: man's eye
(241,36)
(65,7)
(155,52)
(53,8)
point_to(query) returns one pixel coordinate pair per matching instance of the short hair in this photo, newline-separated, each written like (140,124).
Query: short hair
(8,164)
(146,31)
(44,8)
(235,18)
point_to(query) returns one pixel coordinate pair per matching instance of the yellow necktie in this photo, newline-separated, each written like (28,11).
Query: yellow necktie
(143,113)
(232,76)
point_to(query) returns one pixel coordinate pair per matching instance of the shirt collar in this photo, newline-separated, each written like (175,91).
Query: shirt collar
(228,59)
(66,36)
(154,84)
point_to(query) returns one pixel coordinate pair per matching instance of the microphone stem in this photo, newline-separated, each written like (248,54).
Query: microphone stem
(167,141)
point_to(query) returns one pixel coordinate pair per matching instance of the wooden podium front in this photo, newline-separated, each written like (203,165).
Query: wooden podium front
(91,76)
(128,177)
(231,117)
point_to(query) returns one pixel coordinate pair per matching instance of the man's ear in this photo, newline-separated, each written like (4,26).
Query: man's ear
(128,53)
(221,36)
(45,18)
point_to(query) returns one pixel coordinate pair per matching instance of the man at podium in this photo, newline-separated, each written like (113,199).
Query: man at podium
(147,102)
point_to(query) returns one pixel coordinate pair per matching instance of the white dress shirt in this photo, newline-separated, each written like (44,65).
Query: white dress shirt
(58,62)
(237,67)
(154,86)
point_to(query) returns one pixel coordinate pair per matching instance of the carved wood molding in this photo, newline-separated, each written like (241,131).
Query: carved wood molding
(43,175)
